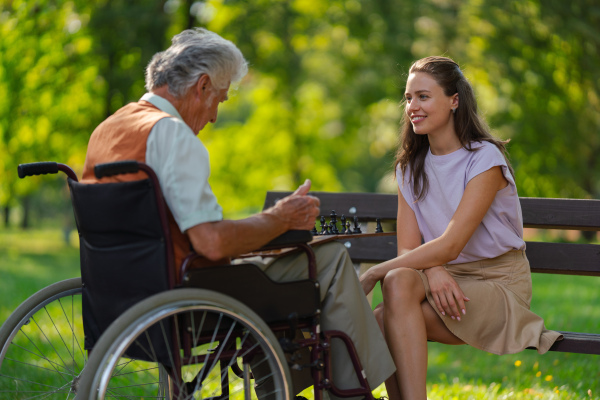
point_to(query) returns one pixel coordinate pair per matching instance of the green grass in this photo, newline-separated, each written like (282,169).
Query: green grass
(31,260)
(34,259)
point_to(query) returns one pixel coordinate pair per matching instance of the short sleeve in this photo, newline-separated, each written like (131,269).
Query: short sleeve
(487,157)
(182,165)
(405,186)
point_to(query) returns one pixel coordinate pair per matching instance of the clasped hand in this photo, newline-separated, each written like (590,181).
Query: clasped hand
(368,280)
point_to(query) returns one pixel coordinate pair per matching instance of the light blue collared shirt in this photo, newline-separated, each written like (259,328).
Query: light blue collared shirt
(181,163)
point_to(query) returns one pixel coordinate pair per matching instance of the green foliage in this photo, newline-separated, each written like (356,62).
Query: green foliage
(322,97)
(538,65)
(47,87)
(126,34)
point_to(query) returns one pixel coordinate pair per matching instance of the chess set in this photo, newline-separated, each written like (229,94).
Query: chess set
(346,228)
(330,231)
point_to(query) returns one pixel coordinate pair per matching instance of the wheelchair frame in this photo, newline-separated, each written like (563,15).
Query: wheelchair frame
(318,343)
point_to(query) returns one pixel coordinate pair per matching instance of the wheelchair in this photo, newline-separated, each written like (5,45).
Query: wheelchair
(135,325)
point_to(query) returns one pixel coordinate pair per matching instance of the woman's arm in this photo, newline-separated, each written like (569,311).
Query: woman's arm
(408,234)
(408,238)
(477,199)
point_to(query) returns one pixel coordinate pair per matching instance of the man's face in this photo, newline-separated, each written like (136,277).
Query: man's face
(202,104)
(208,113)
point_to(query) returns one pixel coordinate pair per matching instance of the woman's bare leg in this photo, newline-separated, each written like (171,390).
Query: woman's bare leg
(405,331)
(436,329)
(408,321)
(391,384)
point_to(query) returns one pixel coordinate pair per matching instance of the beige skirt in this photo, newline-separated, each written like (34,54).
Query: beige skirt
(498,319)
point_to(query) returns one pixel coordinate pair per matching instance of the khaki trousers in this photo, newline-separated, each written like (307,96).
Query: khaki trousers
(344,308)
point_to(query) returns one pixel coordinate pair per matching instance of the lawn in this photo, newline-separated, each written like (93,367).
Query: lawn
(31,260)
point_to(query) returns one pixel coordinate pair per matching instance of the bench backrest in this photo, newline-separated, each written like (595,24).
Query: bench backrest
(544,213)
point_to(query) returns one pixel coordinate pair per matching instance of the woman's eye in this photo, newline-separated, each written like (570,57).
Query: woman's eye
(423,97)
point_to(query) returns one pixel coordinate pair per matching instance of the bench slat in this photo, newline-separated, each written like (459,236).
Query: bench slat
(573,342)
(564,258)
(367,206)
(545,213)
(554,258)
(561,213)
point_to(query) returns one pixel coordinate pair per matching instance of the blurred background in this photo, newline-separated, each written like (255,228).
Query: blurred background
(321,101)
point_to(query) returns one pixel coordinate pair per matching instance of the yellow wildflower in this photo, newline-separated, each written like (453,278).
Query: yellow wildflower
(548,378)
(518,363)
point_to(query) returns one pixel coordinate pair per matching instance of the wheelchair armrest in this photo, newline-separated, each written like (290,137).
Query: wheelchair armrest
(292,238)
(288,239)
(299,239)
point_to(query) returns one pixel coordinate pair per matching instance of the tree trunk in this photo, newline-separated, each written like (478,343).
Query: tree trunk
(26,207)
(191,19)
(6,216)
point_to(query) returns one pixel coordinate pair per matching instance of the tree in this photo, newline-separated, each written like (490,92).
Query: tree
(47,87)
(537,65)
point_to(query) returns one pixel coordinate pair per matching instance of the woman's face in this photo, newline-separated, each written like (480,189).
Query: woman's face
(427,107)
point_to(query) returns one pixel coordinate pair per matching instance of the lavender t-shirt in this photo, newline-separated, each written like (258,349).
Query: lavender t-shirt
(502,227)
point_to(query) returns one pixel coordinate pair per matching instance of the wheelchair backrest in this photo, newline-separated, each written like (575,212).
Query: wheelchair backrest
(123,249)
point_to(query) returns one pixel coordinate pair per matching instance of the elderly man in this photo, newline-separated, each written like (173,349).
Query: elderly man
(186,83)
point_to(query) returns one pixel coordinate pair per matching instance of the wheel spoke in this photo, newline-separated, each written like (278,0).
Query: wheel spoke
(39,360)
(212,339)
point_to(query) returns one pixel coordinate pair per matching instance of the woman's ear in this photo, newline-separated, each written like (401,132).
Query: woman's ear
(455,101)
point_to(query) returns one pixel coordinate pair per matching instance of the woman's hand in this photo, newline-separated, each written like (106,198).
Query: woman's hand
(447,295)
(368,280)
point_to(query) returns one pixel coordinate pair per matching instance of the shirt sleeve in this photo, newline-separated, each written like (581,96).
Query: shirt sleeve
(181,163)
(487,157)
(405,186)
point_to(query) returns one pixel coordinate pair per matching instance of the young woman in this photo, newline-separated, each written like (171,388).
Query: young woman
(461,275)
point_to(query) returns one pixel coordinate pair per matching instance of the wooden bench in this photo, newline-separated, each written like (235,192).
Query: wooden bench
(548,258)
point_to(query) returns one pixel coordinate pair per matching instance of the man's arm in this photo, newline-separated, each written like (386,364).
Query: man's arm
(230,238)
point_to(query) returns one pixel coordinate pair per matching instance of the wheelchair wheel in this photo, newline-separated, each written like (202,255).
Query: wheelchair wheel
(203,335)
(41,353)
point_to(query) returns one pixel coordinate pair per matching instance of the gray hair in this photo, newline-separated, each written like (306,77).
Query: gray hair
(195,52)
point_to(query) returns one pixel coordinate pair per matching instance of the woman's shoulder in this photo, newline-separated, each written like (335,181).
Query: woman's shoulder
(485,149)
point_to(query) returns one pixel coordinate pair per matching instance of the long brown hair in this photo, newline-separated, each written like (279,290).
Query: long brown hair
(469,126)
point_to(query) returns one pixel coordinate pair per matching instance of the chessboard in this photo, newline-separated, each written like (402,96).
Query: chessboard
(330,230)
(340,229)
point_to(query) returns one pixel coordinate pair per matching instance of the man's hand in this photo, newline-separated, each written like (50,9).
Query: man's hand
(298,210)
(447,295)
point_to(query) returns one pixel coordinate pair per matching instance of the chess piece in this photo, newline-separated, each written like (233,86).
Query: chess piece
(327,229)
(343,221)
(323,226)
(378,228)
(314,231)
(348,231)
(333,223)
(356,226)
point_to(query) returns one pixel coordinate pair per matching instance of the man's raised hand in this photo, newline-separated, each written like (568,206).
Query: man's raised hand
(298,210)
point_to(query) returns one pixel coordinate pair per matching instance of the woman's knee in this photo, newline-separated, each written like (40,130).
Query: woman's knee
(401,284)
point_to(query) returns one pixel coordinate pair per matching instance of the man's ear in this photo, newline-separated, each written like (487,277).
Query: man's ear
(203,85)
